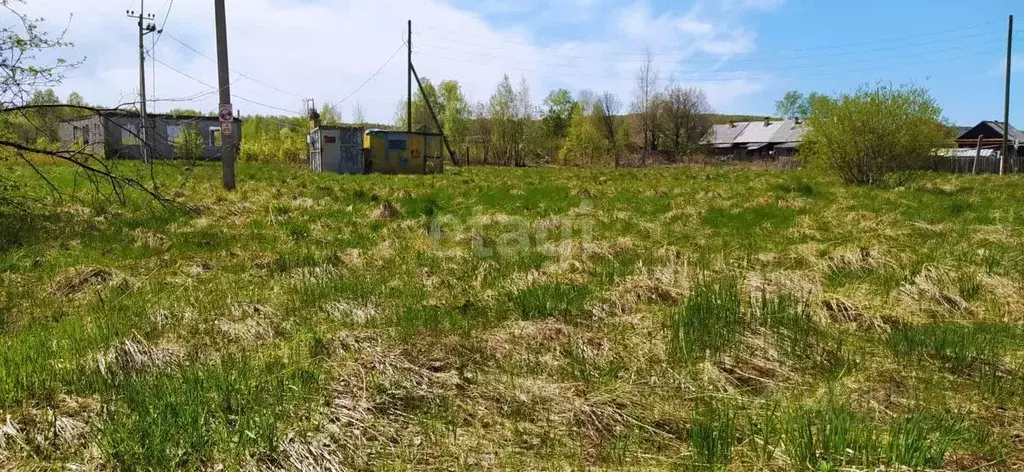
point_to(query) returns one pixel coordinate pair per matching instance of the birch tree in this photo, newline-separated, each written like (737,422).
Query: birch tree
(644,98)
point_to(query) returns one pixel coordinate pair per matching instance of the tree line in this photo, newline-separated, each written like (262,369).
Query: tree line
(589,128)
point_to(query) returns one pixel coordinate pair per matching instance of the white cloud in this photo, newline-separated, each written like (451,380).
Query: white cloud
(324,49)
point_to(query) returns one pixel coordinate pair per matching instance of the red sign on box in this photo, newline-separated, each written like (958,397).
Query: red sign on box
(330,139)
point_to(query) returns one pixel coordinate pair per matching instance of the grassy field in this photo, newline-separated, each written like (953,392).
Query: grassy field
(670,318)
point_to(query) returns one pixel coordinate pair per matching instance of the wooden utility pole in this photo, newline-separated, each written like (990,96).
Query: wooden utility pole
(977,155)
(430,108)
(1006,107)
(408,65)
(144,29)
(227,131)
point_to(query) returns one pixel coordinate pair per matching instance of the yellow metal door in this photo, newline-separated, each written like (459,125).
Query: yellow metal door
(415,164)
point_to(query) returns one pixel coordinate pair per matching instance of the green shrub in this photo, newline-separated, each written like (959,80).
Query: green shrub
(189,144)
(876,134)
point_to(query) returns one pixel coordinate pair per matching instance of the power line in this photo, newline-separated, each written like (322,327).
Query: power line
(374,75)
(240,73)
(790,67)
(603,57)
(160,33)
(739,74)
(458,35)
(194,97)
(200,81)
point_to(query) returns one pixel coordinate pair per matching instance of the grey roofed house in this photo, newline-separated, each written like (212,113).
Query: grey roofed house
(723,136)
(115,134)
(757,138)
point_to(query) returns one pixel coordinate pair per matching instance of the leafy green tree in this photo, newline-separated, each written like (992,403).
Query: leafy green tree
(815,100)
(189,144)
(421,119)
(455,113)
(584,144)
(330,115)
(76,99)
(558,107)
(876,135)
(275,139)
(797,105)
(185,112)
(792,104)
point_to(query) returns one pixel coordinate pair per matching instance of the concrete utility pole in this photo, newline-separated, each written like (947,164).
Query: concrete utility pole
(227,119)
(144,29)
(1006,108)
(408,110)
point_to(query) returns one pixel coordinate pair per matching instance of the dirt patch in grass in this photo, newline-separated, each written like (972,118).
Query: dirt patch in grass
(79,280)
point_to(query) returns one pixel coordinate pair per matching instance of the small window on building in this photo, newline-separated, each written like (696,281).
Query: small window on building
(173,132)
(130,135)
(214,140)
(396,145)
(85,135)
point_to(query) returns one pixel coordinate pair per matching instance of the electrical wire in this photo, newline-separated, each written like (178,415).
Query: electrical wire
(725,79)
(200,81)
(196,96)
(247,76)
(789,67)
(374,75)
(603,57)
(440,32)
(167,15)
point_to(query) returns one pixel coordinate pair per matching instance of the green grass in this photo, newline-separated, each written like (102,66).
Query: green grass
(552,300)
(231,410)
(959,347)
(708,322)
(713,434)
(526,319)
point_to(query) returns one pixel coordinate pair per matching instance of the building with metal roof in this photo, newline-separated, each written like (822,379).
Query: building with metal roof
(725,135)
(990,134)
(757,139)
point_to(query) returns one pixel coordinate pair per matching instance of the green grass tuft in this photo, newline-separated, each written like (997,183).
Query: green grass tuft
(708,322)
(550,300)
(713,433)
(959,347)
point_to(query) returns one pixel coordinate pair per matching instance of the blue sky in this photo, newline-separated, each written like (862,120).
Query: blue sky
(956,49)
(743,53)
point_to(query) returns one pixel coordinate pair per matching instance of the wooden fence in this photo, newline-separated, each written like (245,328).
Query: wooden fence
(985,165)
